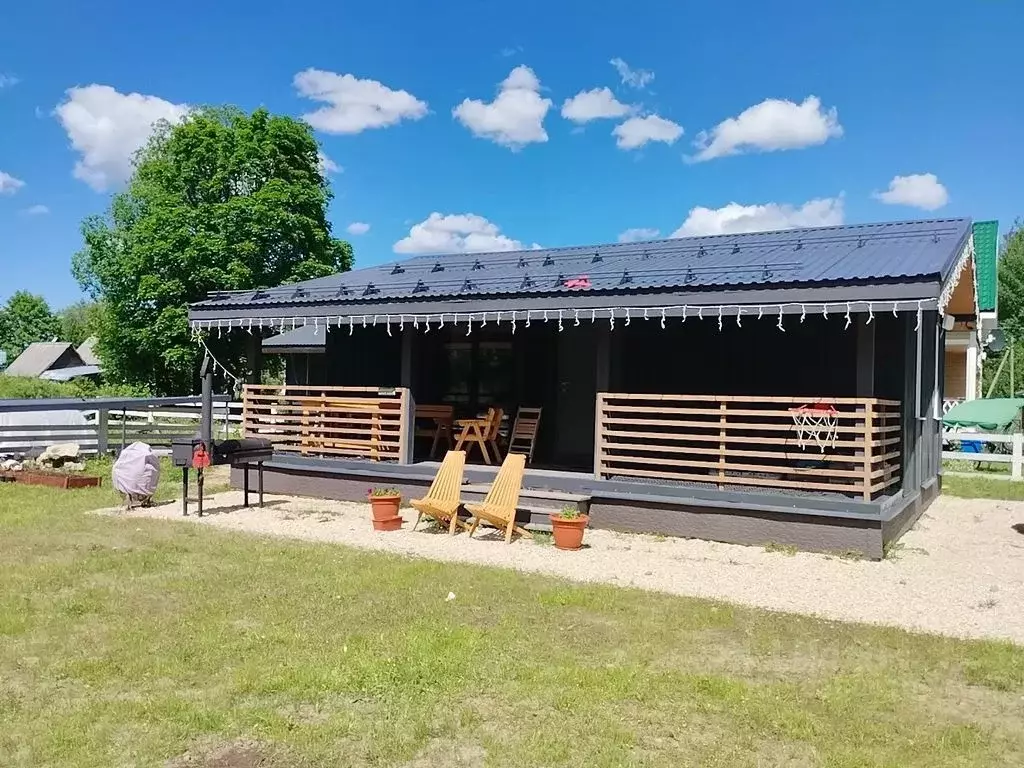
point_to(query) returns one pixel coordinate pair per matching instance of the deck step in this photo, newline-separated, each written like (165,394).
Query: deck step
(534,506)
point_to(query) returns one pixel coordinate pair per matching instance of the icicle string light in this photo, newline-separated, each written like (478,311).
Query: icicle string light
(281,324)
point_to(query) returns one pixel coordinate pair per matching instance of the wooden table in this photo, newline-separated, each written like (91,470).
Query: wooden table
(442,417)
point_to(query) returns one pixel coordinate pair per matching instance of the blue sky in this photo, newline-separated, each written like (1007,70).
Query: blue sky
(456,109)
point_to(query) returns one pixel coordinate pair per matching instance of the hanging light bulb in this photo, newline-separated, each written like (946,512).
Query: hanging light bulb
(611,319)
(719,317)
(387,320)
(739,311)
(848,319)
(871,314)
(560,329)
(469,325)
(779,324)
(663,317)
(803,313)
(627,316)
(576,317)
(527,318)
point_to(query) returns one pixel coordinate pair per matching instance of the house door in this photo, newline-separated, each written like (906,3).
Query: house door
(576,397)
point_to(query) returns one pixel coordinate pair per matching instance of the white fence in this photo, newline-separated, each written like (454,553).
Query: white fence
(1008,449)
(105,429)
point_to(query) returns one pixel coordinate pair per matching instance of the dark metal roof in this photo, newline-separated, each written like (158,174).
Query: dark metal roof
(859,253)
(307,338)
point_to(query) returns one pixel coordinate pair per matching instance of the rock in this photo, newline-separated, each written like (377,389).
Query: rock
(73,466)
(60,452)
(11,465)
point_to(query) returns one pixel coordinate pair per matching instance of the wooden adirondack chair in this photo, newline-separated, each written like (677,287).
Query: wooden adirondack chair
(499,506)
(442,499)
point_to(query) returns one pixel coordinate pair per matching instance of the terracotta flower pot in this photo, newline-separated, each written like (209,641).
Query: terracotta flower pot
(568,532)
(392,524)
(385,507)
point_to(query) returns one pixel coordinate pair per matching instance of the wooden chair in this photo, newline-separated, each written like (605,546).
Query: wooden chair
(482,432)
(442,499)
(524,432)
(499,506)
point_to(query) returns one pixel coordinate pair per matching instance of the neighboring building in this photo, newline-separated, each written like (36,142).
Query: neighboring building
(968,324)
(57,361)
(87,351)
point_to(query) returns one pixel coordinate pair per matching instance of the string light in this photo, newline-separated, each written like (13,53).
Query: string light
(514,322)
(247,324)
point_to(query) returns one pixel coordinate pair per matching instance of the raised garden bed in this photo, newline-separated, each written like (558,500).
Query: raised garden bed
(51,479)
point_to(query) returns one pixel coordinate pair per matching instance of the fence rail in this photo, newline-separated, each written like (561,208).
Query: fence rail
(29,425)
(1008,449)
(747,441)
(364,422)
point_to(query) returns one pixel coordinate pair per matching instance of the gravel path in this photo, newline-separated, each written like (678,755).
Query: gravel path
(959,572)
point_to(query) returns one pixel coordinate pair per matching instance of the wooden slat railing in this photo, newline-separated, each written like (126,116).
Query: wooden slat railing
(747,442)
(363,422)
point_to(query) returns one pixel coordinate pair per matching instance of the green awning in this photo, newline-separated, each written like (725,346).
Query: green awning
(994,413)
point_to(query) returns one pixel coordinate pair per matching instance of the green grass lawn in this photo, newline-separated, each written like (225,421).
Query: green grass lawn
(136,642)
(983,486)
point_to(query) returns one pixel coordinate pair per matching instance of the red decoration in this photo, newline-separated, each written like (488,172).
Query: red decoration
(200,458)
(583,281)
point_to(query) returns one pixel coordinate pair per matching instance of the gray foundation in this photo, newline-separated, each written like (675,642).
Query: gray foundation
(815,525)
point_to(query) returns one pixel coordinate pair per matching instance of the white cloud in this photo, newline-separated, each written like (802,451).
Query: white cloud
(516,116)
(771,125)
(919,190)
(735,218)
(636,234)
(326,165)
(637,131)
(9,185)
(455,233)
(358,228)
(35,210)
(354,105)
(593,105)
(108,128)
(634,78)
(8,81)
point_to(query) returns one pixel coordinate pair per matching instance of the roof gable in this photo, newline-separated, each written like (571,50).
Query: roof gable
(42,356)
(986,247)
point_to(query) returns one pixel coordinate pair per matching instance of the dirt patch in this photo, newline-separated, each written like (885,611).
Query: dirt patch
(447,754)
(235,754)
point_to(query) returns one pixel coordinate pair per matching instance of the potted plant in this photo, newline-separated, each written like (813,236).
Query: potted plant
(567,526)
(385,503)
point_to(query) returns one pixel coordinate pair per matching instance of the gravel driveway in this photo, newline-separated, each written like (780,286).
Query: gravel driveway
(959,572)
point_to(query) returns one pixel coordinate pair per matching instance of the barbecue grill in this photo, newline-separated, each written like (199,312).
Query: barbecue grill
(203,451)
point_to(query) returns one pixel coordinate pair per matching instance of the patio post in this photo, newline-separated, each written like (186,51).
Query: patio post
(406,433)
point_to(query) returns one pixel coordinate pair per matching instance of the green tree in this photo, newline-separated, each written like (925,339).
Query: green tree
(24,319)
(79,321)
(221,201)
